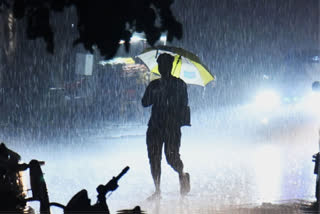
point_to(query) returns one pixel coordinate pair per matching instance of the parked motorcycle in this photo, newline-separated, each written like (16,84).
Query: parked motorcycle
(11,189)
(80,202)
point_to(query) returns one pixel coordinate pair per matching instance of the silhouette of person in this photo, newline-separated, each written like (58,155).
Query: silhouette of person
(11,188)
(9,164)
(168,96)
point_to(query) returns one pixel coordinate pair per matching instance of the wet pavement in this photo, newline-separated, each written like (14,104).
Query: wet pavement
(233,164)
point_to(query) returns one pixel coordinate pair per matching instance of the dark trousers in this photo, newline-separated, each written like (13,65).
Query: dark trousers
(170,138)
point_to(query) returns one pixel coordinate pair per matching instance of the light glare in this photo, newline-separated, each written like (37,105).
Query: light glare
(267,100)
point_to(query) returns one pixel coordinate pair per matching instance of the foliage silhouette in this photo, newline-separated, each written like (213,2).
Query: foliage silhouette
(101,23)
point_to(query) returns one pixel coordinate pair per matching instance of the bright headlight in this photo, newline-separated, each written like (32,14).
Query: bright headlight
(267,99)
(312,102)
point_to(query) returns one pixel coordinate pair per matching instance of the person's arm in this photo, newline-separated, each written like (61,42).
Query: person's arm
(184,95)
(147,98)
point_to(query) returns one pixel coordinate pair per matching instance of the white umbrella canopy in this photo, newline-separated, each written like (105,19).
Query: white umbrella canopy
(186,65)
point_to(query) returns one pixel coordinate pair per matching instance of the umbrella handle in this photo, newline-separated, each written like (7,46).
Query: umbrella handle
(176,64)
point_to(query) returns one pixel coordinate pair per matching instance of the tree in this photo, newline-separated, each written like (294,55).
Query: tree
(100,23)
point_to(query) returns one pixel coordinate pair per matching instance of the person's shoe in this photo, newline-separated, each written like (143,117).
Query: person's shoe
(155,196)
(184,183)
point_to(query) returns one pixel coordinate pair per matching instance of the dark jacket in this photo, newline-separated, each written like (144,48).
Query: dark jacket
(168,97)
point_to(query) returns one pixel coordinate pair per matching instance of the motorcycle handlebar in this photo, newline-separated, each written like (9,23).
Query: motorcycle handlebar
(124,171)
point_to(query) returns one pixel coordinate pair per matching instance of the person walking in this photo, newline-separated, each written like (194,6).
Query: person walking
(169,100)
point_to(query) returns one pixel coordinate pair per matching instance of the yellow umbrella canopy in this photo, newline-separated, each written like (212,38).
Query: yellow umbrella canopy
(186,65)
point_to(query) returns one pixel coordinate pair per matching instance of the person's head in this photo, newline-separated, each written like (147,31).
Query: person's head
(165,62)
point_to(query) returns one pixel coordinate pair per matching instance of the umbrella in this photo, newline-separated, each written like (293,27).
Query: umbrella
(186,65)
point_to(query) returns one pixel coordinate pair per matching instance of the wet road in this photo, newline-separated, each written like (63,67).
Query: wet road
(233,159)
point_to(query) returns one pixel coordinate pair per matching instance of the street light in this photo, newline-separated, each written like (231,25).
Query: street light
(138,37)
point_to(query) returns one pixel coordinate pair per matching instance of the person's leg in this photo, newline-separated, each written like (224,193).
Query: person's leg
(154,146)
(172,148)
